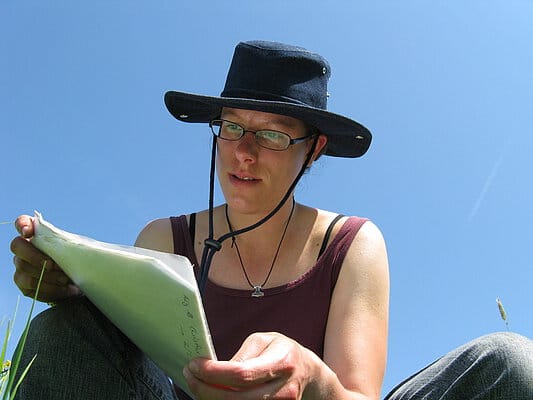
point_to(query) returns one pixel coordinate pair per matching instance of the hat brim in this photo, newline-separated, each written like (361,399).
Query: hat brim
(346,137)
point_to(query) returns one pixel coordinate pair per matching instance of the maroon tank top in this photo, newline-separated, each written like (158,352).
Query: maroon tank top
(298,309)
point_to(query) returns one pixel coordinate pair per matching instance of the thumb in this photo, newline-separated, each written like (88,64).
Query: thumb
(253,346)
(24,226)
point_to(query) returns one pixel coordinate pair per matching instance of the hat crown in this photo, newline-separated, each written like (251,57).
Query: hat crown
(274,71)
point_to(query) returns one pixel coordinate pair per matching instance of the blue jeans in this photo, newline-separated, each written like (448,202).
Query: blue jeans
(81,355)
(495,366)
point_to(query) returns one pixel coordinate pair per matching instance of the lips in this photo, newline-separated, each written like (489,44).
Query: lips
(242,178)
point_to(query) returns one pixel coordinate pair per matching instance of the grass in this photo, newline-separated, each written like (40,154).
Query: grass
(503,314)
(8,386)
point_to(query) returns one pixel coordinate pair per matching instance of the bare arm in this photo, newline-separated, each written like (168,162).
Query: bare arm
(356,336)
(156,235)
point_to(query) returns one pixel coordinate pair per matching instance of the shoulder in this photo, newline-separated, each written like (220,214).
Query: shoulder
(366,256)
(369,238)
(360,227)
(365,269)
(367,251)
(157,235)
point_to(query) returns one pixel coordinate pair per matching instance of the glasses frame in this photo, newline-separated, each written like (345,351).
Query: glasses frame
(290,143)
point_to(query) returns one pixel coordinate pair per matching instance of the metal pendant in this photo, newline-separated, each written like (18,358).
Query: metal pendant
(258,292)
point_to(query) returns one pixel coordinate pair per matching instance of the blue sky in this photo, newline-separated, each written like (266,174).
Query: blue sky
(446,88)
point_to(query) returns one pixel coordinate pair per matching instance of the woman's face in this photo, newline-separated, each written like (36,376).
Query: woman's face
(253,178)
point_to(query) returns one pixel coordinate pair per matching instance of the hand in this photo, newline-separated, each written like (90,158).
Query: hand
(29,261)
(268,365)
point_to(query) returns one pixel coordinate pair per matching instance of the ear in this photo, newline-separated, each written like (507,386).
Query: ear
(319,148)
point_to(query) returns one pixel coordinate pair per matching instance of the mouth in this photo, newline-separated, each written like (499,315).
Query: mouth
(243,178)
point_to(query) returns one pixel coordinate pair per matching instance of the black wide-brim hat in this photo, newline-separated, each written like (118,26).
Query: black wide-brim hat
(279,79)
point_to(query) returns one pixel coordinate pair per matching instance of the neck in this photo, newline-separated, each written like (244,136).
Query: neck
(268,231)
(258,287)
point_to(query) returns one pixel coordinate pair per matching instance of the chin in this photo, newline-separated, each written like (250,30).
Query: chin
(248,207)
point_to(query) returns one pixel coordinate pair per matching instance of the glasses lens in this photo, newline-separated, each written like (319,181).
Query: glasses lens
(229,130)
(272,139)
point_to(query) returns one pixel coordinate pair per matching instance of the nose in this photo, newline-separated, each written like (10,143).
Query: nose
(246,149)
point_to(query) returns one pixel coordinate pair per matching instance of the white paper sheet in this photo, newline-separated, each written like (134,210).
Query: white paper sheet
(150,296)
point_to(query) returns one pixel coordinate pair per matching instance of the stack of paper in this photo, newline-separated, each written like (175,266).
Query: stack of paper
(150,296)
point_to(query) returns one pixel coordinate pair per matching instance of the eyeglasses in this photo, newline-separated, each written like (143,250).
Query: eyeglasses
(272,140)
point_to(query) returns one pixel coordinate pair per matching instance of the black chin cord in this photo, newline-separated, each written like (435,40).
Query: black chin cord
(212,245)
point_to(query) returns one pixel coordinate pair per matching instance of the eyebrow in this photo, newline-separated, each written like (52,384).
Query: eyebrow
(277,119)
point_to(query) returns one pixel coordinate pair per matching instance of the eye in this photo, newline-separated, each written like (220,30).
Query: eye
(271,135)
(231,129)
(273,140)
(231,126)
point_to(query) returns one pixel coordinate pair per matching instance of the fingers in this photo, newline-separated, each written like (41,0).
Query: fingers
(203,390)
(23,249)
(48,292)
(262,358)
(268,365)
(214,389)
(24,225)
(52,275)
(29,262)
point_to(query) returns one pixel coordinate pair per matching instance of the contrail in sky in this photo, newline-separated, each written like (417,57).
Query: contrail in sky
(486,186)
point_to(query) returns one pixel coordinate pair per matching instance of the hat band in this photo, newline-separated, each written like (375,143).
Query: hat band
(255,95)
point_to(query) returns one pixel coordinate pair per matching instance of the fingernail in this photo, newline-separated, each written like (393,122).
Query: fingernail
(193,367)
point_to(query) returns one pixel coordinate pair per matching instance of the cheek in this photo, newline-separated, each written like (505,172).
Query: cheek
(222,147)
(298,159)
(224,153)
(290,166)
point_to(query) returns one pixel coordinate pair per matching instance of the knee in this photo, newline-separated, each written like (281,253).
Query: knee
(75,320)
(74,329)
(509,356)
(60,318)
(48,335)
(49,328)
(507,348)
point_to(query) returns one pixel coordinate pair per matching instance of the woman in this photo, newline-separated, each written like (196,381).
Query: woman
(297,300)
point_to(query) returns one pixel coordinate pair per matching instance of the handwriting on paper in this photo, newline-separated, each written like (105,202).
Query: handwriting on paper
(187,327)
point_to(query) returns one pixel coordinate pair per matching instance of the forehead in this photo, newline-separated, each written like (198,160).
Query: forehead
(260,118)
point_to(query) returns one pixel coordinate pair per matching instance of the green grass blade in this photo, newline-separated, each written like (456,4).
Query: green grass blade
(12,395)
(4,372)
(8,333)
(18,352)
(4,346)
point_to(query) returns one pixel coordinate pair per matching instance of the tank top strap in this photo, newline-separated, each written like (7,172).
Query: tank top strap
(328,234)
(192,226)
(182,236)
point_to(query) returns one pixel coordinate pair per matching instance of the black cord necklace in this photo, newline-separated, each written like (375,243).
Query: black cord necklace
(258,289)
